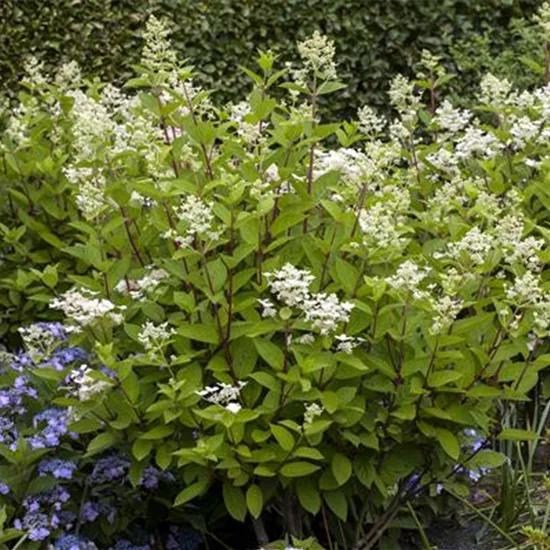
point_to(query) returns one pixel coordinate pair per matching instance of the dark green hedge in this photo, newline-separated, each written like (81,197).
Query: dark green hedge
(374,38)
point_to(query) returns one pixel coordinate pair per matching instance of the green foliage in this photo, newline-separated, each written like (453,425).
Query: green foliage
(285,323)
(374,40)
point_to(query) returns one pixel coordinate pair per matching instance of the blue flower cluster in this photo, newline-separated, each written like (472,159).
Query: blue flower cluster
(73,542)
(41,513)
(60,469)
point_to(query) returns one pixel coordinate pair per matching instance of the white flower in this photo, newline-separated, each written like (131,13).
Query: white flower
(317,53)
(313,410)
(475,245)
(446,309)
(325,312)
(269,309)
(272,173)
(450,119)
(382,225)
(526,289)
(81,307)
(402,95)
(233,407)
(157,53)
(69,74)
(407,279)
(306,339)
(155,337)
(477,142)
(290,285)
(85,386)
(369,122)
(90,201)
(347,343)
(223,394)
(543,19)
(197,216)
(523,130)
(352,165)
(248,131)
(495,91)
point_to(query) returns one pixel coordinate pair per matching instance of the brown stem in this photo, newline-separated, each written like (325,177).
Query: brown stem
(130,238)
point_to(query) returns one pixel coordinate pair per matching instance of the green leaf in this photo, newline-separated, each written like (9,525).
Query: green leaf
(100,443)
(191,492)
(308,495)
(341,468)
(270,353)
(200,332)
(488,459)
(515,434)
(298,469)
(441,378)
(235,502)
(283,436)
(86,425)
(449,442)
(141,448)
(338,503)
(254,501)
(158,432)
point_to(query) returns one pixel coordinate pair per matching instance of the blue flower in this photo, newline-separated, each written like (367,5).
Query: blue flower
(125,545)
(111,468)
(151,477)
(180,538)
(56,421)
(60,469)
(73,542)
(4,489)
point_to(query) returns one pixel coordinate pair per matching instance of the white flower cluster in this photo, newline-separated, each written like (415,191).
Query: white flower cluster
(197,217)
(317,53)
(138,289)
(82,308)
(38,339)
(225,395)
(350,163)
(476,142)
(451,120)
(291,286)
(347,344)
(475,246)
(526,293)
(326,311)
(519,250)
(495,91)
(155,337)
(407,280)
(446,310)
(543,19)
(248,131)
(84,386)
(157,54)
(383,223)
(69,75)
(526,290)
(93,125)
(369,122)
(402,94)
(313,410)
(34,72)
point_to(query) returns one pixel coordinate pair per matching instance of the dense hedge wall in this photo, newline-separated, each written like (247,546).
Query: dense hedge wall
(374,38)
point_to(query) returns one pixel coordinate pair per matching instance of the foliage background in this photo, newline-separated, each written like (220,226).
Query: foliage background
(375,39)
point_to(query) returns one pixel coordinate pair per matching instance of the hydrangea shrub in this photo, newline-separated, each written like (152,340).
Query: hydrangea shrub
(246,313)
